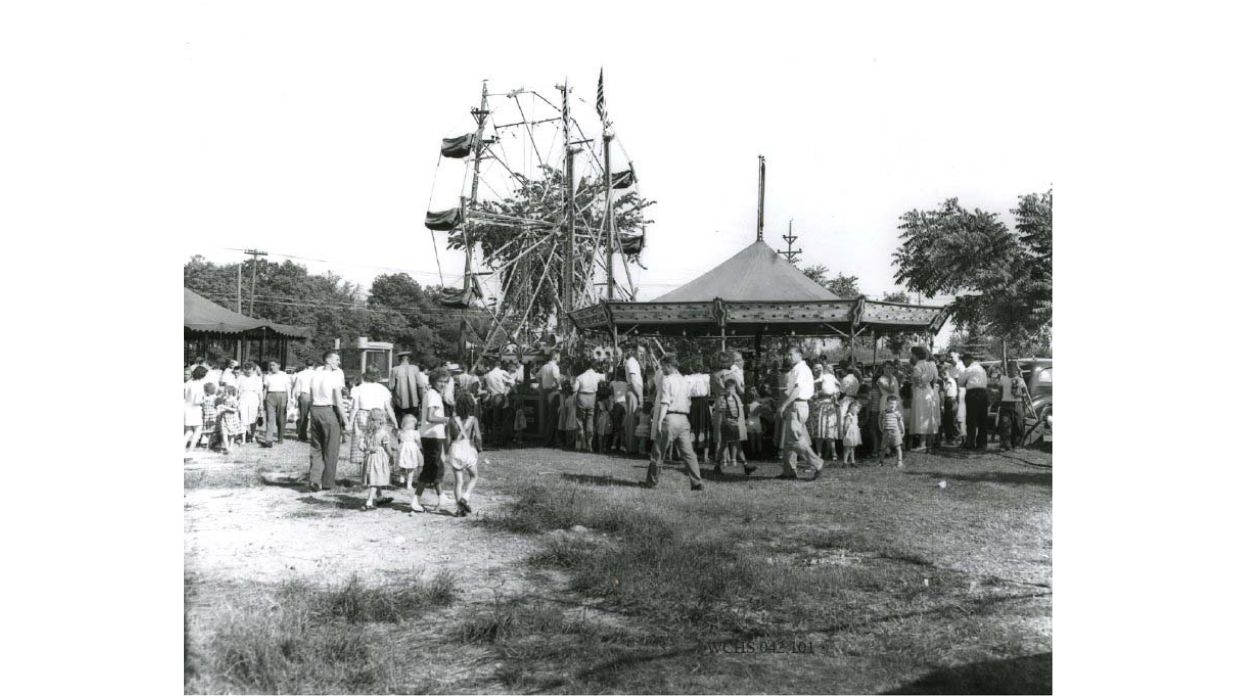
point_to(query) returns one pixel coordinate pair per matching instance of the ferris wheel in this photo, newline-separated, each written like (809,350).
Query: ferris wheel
(547,212)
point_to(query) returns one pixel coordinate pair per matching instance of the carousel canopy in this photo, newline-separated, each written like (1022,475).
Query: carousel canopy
(753,274)
(756,292)
(204,316)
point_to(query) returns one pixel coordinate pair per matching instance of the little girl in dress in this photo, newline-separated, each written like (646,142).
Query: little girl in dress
(379,451)
(410,457)
(229,420)
(210,415)
(464,452)
(568,424)
(851,433)
(643,427)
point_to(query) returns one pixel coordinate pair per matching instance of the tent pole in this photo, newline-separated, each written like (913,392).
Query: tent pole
(875,347)
(759,333)
(723,338)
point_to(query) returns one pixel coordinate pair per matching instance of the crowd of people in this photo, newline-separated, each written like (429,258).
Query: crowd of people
(409,428)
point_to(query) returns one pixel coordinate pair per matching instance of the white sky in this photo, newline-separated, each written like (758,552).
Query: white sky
(315,131)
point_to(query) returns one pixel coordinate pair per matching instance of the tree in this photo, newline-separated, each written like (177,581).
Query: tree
(415,319)
(898,296)
(1002,279)
(843,286)
(531,268)
(288,294)
(818,273)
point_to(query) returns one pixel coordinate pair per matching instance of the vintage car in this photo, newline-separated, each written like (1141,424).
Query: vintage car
(1037,372)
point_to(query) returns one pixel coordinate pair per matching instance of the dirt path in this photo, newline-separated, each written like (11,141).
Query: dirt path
(275,532)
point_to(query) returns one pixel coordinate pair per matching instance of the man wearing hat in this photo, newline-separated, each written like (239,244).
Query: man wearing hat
(404,385)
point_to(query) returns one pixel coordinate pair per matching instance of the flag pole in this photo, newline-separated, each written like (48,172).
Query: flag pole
(759,221)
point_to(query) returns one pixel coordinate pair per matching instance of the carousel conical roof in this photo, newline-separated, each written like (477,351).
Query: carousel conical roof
(755,274)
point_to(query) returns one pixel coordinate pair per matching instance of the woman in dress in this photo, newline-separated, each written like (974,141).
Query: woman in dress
(925,404)
(370,394)
(195,394)
(826,419)
(249,384)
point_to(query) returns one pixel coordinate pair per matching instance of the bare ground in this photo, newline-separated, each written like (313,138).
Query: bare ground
(249,525)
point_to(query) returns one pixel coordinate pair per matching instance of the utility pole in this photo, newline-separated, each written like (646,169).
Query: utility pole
(568,211)
(790,253)
(478,149)
(253,277)
(240,268)
(609,217)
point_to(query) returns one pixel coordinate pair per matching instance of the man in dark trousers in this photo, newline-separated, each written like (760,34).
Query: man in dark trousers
(327,422)
(277,384)
(404,387)
(300,386)
(974,381)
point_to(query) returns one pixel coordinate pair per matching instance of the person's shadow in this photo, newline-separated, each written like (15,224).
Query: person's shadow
(1018,675)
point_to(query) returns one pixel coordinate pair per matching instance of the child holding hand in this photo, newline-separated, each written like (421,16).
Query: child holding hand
(379,451)
(410,458)
(464,452)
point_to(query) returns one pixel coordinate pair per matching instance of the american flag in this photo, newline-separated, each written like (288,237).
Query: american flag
(601,99)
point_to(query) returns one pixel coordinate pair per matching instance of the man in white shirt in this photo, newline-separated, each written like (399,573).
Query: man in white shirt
(498,383)
(800,386)
(547,380)
(672,426)
(633,372)
(327,422)
(586,403)
(276,384)
(974,380)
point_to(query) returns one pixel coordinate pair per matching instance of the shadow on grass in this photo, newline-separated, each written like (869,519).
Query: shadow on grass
(593,480)
(1027,462)
(1010,477)
(1018,675)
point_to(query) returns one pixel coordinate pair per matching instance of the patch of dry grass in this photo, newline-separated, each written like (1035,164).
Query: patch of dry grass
(299,639)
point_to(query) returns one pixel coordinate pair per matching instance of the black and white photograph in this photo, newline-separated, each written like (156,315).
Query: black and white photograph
(524,354)
(637,348)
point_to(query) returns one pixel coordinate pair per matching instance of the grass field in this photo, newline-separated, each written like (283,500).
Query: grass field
(571,578)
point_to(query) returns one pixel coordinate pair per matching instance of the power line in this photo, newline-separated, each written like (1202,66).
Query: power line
(349,263)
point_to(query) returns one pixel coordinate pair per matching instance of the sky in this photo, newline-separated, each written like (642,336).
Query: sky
(314,130)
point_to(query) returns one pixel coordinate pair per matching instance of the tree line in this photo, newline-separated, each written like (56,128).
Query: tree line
(396,307)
